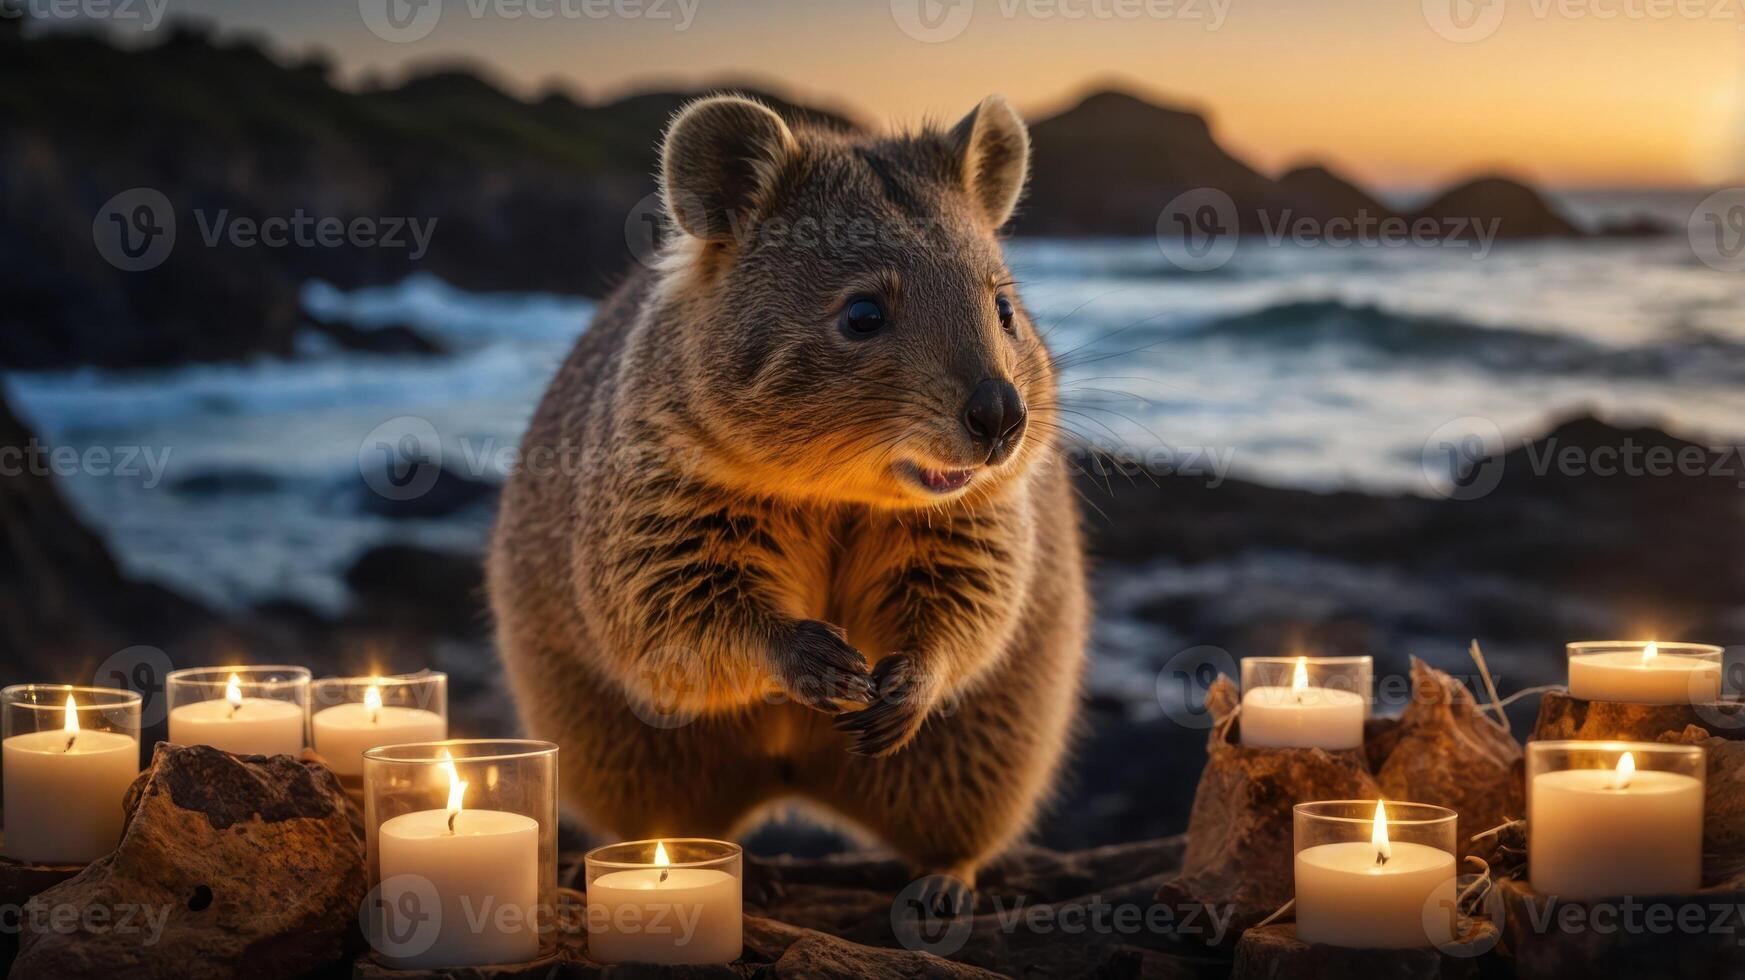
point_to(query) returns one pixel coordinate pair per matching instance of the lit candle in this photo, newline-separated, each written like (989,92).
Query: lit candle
(245,726)
(344,731)
(1302,716)
(63,791)
(1597,833)
(665,914)
(1644,673)
(1376,893)
(482,866)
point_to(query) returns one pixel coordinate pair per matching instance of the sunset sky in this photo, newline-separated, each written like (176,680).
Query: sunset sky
(1628,93)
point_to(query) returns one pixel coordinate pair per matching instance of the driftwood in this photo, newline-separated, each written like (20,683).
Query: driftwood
(1239,851)
(228,866)
(1274,951)
(1447,751)
(1564,717)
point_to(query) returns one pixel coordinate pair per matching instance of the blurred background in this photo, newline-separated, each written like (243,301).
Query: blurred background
(1385,326)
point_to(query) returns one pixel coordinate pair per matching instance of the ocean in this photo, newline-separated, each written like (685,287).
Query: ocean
(1315,367)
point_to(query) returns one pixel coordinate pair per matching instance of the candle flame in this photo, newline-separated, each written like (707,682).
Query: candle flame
(233,693)
(1649,652)
(1626,769)
(660,859)
(71,728)
(1379,835)
(457,789)
(1300,679)
(373,702)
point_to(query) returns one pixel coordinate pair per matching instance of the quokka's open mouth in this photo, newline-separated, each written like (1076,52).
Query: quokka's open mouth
(937,480)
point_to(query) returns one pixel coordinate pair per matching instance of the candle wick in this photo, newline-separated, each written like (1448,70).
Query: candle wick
(233,711)
(451,822)
(663,874)
(70,740)
(1380,859)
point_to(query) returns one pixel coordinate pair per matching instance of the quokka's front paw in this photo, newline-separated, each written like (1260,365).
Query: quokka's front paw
(817,667)
(896,714)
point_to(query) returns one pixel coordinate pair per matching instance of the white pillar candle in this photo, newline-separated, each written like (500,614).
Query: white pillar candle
(1301,716)
(63,792)
(345,731)
(1648,677)
(665,915)
(245,726)
(1600,833)
(483,868)
(1375,894)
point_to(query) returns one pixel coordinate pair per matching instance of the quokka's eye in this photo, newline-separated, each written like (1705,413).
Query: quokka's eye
(1004,306)
(862,317)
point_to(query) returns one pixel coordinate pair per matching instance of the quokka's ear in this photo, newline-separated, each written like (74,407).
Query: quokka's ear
(719,163)
(994,152)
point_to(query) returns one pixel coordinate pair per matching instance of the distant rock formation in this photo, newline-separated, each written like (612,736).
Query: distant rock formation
(1313,191)
(1518,210)
(515,195)
(1111,163)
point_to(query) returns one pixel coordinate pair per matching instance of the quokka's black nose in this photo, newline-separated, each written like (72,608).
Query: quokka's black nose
(994,415)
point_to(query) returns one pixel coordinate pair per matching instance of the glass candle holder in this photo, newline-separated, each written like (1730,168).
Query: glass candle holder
(1607,819)
(70,753)
(1645,672)
(642,894)
(456,827)
(262,710)
(1375,875)
(352,714)
(1305,702)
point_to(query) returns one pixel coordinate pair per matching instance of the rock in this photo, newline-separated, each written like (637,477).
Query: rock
(251,861)
(1517,210)
(1552,939)
(1723,806)
(1564,717)
(218,483)
(392,338)
(65,604)
(1239,841)
(1318,193)
(1274,951)
(1111,164)
(1449,753)
(419,591)
(450,493)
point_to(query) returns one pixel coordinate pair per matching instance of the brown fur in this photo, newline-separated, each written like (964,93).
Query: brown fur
(711,518)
